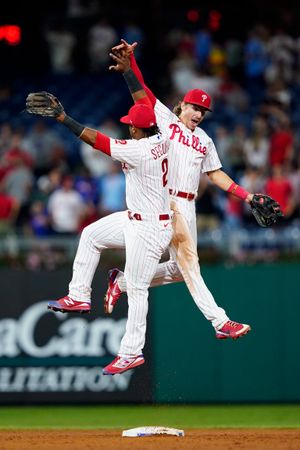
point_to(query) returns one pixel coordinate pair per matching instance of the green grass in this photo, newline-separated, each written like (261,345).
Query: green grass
(97,417)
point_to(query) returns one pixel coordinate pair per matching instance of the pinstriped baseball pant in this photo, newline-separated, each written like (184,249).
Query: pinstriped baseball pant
(144,243)
(171,271)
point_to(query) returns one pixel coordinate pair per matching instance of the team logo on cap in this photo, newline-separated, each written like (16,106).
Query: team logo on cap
(204,97)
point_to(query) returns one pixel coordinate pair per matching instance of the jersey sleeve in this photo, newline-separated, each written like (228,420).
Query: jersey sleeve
(211,161)
(126,151)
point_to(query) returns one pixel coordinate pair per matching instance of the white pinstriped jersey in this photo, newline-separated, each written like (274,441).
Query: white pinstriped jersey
(191,152)
(145,165)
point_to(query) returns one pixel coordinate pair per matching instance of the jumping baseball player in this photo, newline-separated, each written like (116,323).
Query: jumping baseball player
(192,152)
(145,229)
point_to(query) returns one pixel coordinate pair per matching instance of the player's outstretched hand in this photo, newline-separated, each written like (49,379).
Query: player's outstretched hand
(125,47)
(122,62)
(44,104)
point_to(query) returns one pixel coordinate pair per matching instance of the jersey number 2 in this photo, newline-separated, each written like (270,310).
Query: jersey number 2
(164,168)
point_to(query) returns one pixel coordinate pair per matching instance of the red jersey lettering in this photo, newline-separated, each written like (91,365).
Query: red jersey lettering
(158,151)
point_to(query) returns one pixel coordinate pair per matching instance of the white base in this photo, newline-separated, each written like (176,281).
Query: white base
(150,431)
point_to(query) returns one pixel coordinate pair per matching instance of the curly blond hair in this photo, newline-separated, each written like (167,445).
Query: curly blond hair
(177,109)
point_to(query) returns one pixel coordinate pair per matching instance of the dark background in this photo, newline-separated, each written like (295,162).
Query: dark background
(156,18)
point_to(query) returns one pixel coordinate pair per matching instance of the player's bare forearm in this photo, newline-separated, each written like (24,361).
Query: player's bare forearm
(220,179)
(89,136)
(223,181)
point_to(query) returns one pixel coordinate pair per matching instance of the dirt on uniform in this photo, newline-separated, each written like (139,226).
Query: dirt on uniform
(194,439)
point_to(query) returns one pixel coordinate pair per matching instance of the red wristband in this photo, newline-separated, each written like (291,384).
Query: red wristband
(238,191)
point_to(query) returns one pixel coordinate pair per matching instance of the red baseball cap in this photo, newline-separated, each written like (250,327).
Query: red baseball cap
(140,116)
(198,97)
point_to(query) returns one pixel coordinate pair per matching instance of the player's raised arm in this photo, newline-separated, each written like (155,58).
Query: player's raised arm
(122,65)
(127,51)
(47,105)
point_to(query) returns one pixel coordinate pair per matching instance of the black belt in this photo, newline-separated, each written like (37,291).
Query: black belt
(189,196)
(138,216)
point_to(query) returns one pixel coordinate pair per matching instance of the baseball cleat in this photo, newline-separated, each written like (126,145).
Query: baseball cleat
(120,365)
(66,304)
(233,330)
(113,291)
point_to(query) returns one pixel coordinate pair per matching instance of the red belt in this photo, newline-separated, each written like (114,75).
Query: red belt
(181,194)
(138,216)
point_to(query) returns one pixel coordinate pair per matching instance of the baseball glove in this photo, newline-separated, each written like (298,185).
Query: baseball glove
(265,210)
(43,104)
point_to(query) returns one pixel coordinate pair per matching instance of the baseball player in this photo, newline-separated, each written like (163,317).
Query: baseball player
(145,229)
(192,152)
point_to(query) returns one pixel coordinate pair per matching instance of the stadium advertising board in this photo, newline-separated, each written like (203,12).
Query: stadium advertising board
(53,357)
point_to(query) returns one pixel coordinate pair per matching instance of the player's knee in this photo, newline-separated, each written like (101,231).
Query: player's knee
(87,236)
(86,233)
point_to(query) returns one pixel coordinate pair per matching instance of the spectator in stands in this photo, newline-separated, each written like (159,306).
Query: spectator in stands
(256,62)
(281,140)
(18,183)
(66,208)
(254,178)
(48,183)
(234,96)
(61,43)
(112,190)
(182,71)
(217,60)
(257,144)
(279,93)
(9,207)
(42,143)
(280,48)
(6,134)
(101,37)
(86,186)
(236,152)
(280,188)
(202,48)
(96,162)
(234,58)
(223,142)
(78,10)
(39,222)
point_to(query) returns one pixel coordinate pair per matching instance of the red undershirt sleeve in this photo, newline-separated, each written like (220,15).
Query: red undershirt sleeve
(102,143)
(138,74)
(144,101)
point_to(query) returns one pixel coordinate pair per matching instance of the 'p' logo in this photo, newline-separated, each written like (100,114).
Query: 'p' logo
(204,97)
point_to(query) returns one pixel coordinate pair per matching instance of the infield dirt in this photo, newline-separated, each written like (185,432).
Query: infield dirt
(212,439)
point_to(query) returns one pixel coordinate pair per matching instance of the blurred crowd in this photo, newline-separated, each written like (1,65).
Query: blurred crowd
(255,85)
